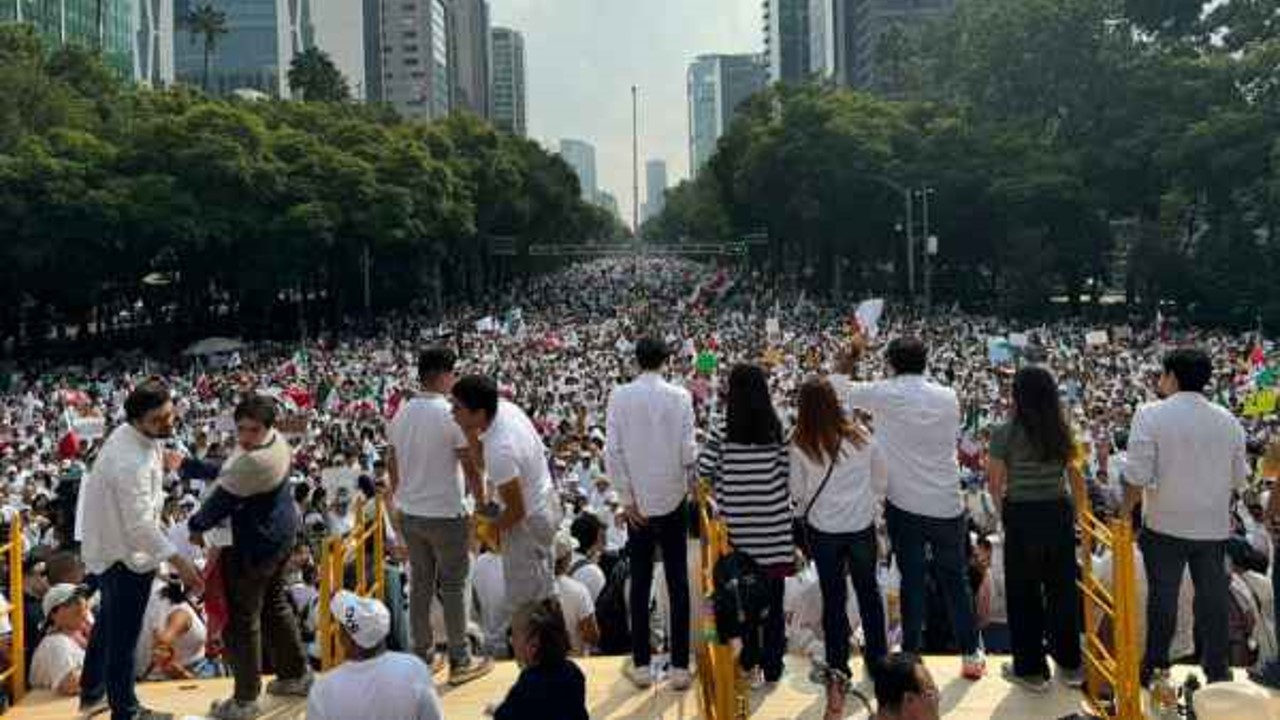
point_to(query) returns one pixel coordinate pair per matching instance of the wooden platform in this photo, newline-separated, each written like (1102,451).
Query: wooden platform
(611,697)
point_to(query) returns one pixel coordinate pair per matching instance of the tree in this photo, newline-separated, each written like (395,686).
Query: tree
(313,75)
(207,23)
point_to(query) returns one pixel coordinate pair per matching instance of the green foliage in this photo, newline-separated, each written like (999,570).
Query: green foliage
(315,78)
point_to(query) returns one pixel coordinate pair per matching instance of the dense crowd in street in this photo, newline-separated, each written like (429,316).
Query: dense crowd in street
(893,486)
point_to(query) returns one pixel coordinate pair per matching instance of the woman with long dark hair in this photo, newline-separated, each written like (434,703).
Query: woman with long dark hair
(838,478)
(1033,457)
(746,459)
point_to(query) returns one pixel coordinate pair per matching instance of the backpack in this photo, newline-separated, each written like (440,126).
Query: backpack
(739,597)
(611,610)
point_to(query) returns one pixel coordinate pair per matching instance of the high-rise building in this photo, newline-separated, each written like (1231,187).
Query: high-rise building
(832,53)
(340,33)
(263,36)
(718,85)
(76,22)
(869,20)
(374,67)
(154,26)
(508,97)
(786,40)
(415,57)
(469,52)
(655,185)
(581,156)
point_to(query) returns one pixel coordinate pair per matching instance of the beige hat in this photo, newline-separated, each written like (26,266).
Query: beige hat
(1234,701)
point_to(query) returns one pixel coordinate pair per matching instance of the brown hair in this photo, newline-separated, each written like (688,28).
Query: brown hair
(821,424)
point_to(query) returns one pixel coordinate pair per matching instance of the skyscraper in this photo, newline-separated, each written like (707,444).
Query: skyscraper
(581,156)
(415,57)
(717,85)
(469,52)
(655,185)
(508,97)
(76,22)
(832,53)
(262,38)
(374,67)
(786,40)
(154,25)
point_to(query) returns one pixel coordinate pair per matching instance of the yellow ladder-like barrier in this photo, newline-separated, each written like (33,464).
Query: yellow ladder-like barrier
(15,676)
(1112,690)
(365,544)
(723,697)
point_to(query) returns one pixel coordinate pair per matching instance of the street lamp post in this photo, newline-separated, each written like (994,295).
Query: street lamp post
(931,246)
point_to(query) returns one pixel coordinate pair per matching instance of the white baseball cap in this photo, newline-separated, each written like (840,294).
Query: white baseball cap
(60,595)
(366,620)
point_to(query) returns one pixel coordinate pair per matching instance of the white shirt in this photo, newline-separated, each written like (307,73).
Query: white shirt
(513,449)
(589,575)
(188,649)
(917,423)
(426,440)
(576,605)
(118,512)
(1187,454)
(849,501)
(56,657)
(391,686)
(650,445)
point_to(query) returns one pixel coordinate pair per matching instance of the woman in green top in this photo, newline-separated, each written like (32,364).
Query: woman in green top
(1032,458)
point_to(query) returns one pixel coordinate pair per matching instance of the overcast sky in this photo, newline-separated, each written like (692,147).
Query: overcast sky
(583,56)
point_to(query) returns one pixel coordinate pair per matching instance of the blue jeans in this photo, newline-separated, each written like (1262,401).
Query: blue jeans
(838,555)
(910,534)
(109,663)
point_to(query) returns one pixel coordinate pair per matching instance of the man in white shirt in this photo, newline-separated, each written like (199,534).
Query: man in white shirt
(917,425)
(1186,457)
(123,543)
(650,451)
(427,448)
(373,684)
(527,511)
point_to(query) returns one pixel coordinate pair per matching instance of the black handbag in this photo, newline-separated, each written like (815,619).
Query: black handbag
(800,530)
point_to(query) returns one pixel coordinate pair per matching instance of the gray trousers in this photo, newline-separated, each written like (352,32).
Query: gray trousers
(438,559)
(527,563)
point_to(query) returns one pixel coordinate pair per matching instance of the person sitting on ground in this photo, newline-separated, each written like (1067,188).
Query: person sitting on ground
(550,685)
(374,683)
(905,690)
(575,600)
(59,659)
(589,531)
(172,643)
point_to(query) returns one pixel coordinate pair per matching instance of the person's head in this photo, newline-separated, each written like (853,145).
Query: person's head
(475,402)
(173,591)
(907,356)
(539,636)
(254,417)
(562,547)
(35,573)
(589,532)
(1185,370)
(1037,410)
(66,607)
(821,424)
(149,409)
(435,368)
(749,415)
(365,624)
(65,567)
(905,690)
(651,353)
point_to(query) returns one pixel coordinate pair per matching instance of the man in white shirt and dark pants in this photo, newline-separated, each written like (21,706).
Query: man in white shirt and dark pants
(1186,456)
(123,544)
(650,450)
(427,447)
(917,425)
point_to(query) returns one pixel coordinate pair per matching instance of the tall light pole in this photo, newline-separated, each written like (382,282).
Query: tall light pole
(930,246)
(635,166)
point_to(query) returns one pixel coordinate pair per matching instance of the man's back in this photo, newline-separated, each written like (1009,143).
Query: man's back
(391,686)
(426,440)
(650,441)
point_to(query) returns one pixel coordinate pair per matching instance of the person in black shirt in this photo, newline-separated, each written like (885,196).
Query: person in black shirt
(550,687)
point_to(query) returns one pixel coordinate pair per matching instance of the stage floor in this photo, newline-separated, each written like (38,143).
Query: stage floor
(611,697)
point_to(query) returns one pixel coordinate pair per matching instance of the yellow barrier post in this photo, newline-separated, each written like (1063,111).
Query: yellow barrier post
(366,534)
(722,696)
(16,674)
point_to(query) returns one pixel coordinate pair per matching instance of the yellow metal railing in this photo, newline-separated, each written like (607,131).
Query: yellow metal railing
(723,696)
(365,545)
(1112,689)
(15,676)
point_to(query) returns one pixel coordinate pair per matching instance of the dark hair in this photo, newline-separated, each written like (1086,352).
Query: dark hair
(1037,410)
(907,355)
(1191,366)
(821,424)
(301,493)
(586,529)
(173,591)
(477,392)
(651,353)
(259,408)
(144,398)
(436,360)
(749,415)
(894,678)
(543,622)
(64,566)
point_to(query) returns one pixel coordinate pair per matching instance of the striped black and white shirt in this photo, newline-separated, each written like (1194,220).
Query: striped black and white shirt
(752,492)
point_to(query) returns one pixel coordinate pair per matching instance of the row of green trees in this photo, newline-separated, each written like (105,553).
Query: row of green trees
(1074,145)
(122,206)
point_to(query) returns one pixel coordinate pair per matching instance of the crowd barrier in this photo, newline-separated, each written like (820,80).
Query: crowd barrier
(364,546)
(14,678)
(721,689)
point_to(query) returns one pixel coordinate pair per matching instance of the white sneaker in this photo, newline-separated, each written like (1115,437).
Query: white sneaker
(681,679)
(641,677)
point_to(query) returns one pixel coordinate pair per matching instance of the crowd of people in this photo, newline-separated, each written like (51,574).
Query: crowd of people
(897,486)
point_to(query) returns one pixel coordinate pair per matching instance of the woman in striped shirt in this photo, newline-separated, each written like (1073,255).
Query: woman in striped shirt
(746,459)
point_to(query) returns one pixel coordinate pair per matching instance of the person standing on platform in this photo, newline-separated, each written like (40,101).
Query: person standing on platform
(1186,456)
(649,452)
(1032,455)
(527,512)
(123,544)
(427,448)
(917,424)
